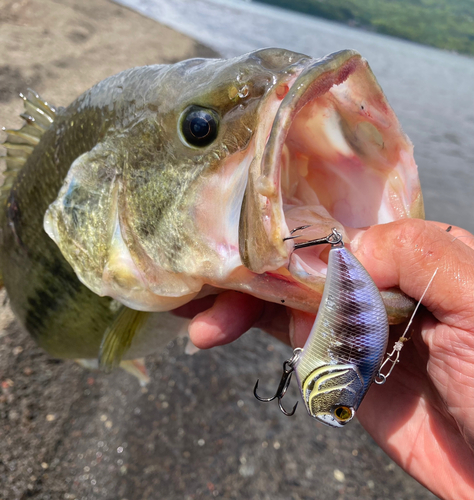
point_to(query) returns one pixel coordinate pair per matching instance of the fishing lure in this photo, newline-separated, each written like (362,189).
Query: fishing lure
(345,349)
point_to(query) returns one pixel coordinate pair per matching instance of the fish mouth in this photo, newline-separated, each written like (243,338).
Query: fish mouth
(336,156)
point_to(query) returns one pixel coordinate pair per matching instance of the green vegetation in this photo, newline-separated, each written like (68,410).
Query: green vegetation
(447,24)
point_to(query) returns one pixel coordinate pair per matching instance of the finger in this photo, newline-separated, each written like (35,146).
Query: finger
(231,315)
(300,327)
(195,307)
(406,253)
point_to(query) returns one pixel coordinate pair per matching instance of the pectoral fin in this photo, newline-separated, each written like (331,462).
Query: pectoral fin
(118,337)
(137,368)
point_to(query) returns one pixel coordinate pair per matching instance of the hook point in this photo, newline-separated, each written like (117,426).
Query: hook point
(288,414)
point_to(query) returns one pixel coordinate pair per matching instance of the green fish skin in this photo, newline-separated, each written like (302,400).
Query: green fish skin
(63,316)
(118,188)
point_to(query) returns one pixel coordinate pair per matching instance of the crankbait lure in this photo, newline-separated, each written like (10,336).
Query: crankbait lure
(345,349)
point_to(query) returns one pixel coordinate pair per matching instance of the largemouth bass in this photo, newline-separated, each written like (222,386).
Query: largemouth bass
(167,183)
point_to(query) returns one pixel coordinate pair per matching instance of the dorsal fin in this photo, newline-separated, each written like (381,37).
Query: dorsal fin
(38,116)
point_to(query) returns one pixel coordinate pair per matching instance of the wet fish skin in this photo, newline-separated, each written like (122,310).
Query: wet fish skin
(64,316)
(43,289)
(144,185)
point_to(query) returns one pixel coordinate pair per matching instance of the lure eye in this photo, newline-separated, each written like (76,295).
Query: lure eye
(343,413)
(199,126)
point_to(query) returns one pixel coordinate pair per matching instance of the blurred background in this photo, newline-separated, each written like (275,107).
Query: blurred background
(196,431)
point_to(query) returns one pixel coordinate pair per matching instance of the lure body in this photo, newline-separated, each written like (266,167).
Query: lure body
(347,343)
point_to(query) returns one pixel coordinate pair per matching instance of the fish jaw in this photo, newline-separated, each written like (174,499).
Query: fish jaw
(336,157)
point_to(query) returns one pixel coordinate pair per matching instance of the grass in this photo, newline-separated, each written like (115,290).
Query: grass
(446,24)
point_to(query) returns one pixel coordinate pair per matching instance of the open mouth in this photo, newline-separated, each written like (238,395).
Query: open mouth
(328,151)
(336,157)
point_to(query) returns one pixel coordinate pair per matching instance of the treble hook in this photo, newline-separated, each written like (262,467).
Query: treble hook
(299,228)
(333,239)
(288,369)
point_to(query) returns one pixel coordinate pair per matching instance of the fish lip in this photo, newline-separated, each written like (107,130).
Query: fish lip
(335,120)
(263,227)
(315,80)
(335,123)
(307,86)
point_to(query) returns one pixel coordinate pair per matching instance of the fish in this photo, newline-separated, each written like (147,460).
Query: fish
(166,183)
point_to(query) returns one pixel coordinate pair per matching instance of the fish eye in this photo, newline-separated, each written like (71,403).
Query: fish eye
(199,126)
(343,413)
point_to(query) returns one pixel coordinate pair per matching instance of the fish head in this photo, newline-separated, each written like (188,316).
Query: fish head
(332,393)
(210,164)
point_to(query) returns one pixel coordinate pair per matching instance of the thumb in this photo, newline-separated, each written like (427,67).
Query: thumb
(406,253)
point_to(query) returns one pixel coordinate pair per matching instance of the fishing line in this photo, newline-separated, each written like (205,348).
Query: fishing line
(394,356)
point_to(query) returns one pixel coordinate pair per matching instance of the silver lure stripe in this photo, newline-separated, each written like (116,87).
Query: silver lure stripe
(351,327)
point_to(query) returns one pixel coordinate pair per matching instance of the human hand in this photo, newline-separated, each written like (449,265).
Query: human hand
(423,416)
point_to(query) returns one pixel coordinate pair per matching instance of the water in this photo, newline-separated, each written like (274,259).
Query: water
(432,91)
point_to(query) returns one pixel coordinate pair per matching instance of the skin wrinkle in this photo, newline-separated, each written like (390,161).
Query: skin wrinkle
(410,255)
(450,387)
(460,341)
(436,366)
(443,341)
(418,435)
(460,412)
(448,374)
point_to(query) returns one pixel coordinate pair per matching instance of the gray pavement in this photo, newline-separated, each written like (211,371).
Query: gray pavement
(195,432)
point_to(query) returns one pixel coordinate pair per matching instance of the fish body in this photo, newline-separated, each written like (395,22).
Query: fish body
(171,182)
(347,343)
